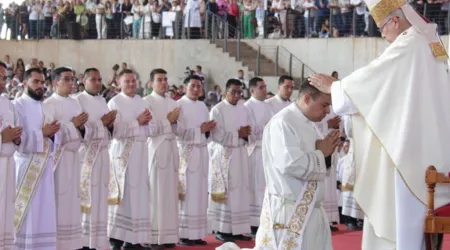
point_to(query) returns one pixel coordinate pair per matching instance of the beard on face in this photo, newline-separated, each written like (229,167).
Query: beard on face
(34,93)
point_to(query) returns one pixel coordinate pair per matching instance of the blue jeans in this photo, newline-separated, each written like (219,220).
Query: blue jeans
(136,27)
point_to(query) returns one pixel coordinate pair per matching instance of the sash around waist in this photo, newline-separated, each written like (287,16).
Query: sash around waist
(201,145)
(288,201)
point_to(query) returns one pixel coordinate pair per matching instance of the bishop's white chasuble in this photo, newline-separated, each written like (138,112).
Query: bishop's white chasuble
(8,117)
(393,101)
(261,113)
(66,167)
(94,172)
(129,187)
(193,171)
(163,165)
(35,208)
(229,188)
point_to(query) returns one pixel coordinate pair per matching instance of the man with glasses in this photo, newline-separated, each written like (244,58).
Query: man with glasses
(66,158)
(392,101)
(10,133)
(95,161)
(229,206)
(282,98)
(35,208)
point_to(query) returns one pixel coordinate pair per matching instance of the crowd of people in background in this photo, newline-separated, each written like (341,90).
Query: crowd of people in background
(15,76)
(165,19)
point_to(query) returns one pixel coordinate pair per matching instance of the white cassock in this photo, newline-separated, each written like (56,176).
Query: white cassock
(94,159)
(192,14)
(67,172)
(330,202)
(163,164)
(193,172)
(346,175)
(261,113)
(229,206)
(129,188)
(277,104)
(393,101)
(8,117)
(292,216)
(35,217)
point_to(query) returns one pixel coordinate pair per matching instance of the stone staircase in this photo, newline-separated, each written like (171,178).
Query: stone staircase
(248,57)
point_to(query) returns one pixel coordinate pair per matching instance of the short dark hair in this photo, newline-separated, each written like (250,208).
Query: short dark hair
(89,70)
(216,86)
(306,87)
(126,71)
(253,83)
(156,71)
(56,74)
(199,67)
(192,77)
(2,64)
(284,78)
(233,82)
(30,71)
(116,67)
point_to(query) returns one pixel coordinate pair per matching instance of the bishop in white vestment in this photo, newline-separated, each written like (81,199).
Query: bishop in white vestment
(261,113)
(66,159)
(229,187)
(95,162)
(10,133)
(163,162)
(193,132)
(392,139)
(35,215)
(282,98)
(129,188)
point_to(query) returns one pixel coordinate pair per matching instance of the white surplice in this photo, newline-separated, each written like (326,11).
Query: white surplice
(349,205)
(330,202)
(277,104)
(94,151)
(129,220)
(292,216)
(193,172)
(391,157)
(261,113)
(230,162)
(290,161)
(163,164)
(8,117)
(67,172)
(38,230)
(346,167)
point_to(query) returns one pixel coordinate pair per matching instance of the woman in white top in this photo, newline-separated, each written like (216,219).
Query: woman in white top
(48,18)
(9,66)
(146,22)
(33,18)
